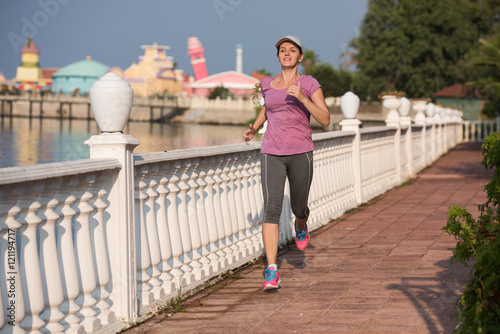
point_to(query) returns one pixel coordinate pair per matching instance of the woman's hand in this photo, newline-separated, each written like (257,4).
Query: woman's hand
(296,92)
(316,105)
(248,134)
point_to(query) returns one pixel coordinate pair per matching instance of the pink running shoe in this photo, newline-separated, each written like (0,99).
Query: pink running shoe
(301,237)
(273,279)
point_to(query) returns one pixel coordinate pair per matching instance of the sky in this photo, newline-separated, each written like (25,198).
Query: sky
(113,31)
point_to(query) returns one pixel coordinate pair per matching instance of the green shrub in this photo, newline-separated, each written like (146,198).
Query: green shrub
(479,240)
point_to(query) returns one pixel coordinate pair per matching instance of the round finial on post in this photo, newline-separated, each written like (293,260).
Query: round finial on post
(349,104)
(111,100)
(429,110)
(404,110)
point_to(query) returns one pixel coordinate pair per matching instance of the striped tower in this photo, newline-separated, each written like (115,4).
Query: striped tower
(195,51)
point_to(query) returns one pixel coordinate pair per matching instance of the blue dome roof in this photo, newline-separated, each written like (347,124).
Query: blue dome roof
(84,68)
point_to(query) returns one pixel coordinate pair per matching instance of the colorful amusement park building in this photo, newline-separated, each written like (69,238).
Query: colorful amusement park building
(30,77)
(238,83)
(78,77)
(155,73)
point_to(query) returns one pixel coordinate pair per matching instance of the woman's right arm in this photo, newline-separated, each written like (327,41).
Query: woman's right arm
(261,118)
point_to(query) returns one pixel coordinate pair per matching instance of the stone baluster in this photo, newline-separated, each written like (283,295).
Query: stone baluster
(238,206)
(152,230)
(3,316)
(256,201)
(84,258)
(98,237)
(333,161)
(13,305)
(29,265)
(330,156)
(246,192)
(166,277)
(50,271)
(317,194)
(173,225)
(217,256)
(143,256)
(224,244)
(67,257)
(259,200)
(194,224)
(184,222)
(227,215)
(199,197)
(231,188)
(252,189)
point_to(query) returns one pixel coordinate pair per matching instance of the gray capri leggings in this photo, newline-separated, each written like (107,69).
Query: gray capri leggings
(274,171)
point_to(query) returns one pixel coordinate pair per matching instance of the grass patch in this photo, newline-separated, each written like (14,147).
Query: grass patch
(174,306)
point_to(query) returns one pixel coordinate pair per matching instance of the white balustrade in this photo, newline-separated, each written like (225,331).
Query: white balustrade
(106,240)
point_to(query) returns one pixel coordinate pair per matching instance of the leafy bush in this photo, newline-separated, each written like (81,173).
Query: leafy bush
(221,92)
(479,239)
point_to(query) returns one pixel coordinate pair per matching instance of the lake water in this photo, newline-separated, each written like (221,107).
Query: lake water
(29,142)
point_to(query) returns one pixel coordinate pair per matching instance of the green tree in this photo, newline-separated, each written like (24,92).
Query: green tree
(221,92)
(415,46)
(484,69)
(263,71)
(333,82)
(488,16)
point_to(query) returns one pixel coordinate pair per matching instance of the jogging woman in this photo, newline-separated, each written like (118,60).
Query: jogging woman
(287,147)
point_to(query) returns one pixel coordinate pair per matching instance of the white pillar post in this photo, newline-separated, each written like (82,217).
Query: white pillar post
(392,103)
(405,119)
(349,104)
(419,108)
(429,111)
(111,99)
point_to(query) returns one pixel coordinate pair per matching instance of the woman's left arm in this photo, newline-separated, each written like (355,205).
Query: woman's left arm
(316,105)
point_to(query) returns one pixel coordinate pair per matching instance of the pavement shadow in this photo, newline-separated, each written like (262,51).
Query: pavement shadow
(435,297)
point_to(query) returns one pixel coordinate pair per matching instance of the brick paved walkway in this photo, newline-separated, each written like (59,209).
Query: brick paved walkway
(382,268)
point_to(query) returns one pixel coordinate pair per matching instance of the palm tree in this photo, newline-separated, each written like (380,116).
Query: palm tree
(310,59)
(486,66)
(349,55)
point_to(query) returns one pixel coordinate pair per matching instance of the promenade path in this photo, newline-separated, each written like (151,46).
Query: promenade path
(381,268)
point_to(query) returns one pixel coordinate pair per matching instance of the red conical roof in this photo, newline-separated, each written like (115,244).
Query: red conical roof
(30,47)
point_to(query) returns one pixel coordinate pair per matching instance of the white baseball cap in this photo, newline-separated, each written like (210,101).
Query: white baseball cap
(289,38)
